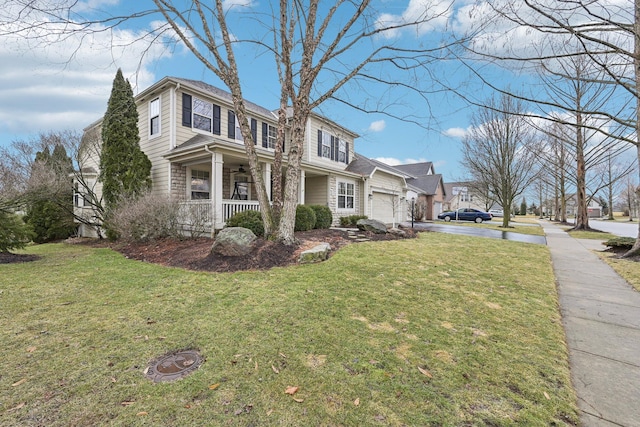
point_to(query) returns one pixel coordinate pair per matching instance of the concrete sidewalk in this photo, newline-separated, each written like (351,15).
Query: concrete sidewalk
(601,318)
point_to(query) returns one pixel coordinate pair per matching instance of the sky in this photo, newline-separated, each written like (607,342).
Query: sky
(50,82)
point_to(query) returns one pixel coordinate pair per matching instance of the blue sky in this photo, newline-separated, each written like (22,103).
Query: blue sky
(65,85)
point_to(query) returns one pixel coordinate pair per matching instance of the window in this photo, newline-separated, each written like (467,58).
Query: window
(271,136)
(154,117)
(199,185)
(200,114)
(326,145)
(342,151)
(78,200)
(466,197)
(345,195)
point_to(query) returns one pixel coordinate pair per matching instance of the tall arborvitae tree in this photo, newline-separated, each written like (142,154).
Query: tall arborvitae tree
(51,216)
(125,171)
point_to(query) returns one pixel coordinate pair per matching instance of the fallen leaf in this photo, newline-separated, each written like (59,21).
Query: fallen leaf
(269,412)
(127,403)
(425,372)
(546,395)
(256,365)
(142,413)
(357,402)
(298,400)
(290,390)
(16,384)
(15,408)
(31,349)
(283,355)
(187,406)
(188,362)
(214,386)
(275,369)
(113,379)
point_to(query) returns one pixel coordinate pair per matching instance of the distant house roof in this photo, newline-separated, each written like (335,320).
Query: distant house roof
(427,184)
(417,169)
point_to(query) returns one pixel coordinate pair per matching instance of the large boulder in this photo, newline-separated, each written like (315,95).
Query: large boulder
(372,225)
(233,241)
(316,254)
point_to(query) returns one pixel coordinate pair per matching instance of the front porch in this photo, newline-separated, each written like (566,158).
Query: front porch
(197,215)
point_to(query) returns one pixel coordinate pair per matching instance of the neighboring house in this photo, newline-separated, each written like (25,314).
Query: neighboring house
(460,195)
(426,187)
(594,209)
(189,131)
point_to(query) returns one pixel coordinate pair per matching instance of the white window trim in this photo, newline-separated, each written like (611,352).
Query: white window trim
(275,137)
(342,144)
(193,114)
(347,183)
(156,135)
(326,137)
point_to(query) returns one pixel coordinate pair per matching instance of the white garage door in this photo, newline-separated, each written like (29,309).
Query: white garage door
(382,207)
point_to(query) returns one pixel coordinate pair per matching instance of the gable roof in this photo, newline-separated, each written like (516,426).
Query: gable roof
(417,169)
(366,167)
(427,184)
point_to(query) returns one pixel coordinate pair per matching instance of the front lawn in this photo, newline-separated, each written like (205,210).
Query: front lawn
(496,224)
(440,330)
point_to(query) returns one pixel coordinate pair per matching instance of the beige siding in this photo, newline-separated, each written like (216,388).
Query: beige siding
(158,145)
(316,191)
(311,149)
(390,183)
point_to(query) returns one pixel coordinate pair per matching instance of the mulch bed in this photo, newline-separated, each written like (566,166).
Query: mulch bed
(11,258)
(195,254)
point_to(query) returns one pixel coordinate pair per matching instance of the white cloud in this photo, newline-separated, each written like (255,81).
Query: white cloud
(228,4)
(51,82)
(420,17)
(456,132)
(377,126)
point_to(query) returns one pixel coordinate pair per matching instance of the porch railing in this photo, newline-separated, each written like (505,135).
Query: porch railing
(199,212)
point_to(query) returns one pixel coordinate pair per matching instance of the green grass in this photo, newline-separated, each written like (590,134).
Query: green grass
(384,333)
(593,235)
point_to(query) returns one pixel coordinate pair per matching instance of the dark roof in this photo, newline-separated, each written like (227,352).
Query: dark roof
(365,166)
(428,184)
(219,93)
(416,169)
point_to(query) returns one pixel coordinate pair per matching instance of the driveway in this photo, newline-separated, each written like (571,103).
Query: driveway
(478,232)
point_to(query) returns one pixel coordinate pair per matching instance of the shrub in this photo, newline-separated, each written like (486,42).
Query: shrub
(49,221)
(620,242)
(14,233)
(148,217)
(305,218)
(248,219)
(351,220)
(324,218)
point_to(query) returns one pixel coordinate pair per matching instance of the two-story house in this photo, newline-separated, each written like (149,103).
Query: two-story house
(190,133)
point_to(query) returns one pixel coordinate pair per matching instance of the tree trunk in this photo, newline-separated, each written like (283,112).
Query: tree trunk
(636,27)
(582,216)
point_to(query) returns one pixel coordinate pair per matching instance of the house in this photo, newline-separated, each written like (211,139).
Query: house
(189,131)
(461,195)
(426,188)
(594,209)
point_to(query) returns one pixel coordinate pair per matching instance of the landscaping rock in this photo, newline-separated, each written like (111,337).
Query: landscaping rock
(316,254)
(398,232)
(372,225)
(233,241)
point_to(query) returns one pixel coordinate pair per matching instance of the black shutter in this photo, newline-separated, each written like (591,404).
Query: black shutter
(231,125)
(333,148)
(216,119)
(346,157)
(254,131)
(265,135)
(186,110)
(319,143)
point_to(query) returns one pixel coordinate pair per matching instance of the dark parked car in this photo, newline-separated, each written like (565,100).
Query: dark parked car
(466,214)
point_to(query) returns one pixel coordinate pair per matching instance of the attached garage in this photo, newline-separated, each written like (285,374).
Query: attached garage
(382,205)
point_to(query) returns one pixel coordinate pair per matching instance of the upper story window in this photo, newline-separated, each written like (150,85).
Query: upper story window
(332,148)
(342,151)
(200,114)
(199,184)
(154,117)
(271,136)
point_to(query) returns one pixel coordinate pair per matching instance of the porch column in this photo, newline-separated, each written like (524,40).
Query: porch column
(217,220)
(301,186)
(267,179)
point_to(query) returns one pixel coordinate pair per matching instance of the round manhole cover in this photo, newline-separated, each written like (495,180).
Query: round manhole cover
(173,366)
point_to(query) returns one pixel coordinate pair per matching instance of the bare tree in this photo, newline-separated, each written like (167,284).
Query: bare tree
(494,152)
(320,48)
